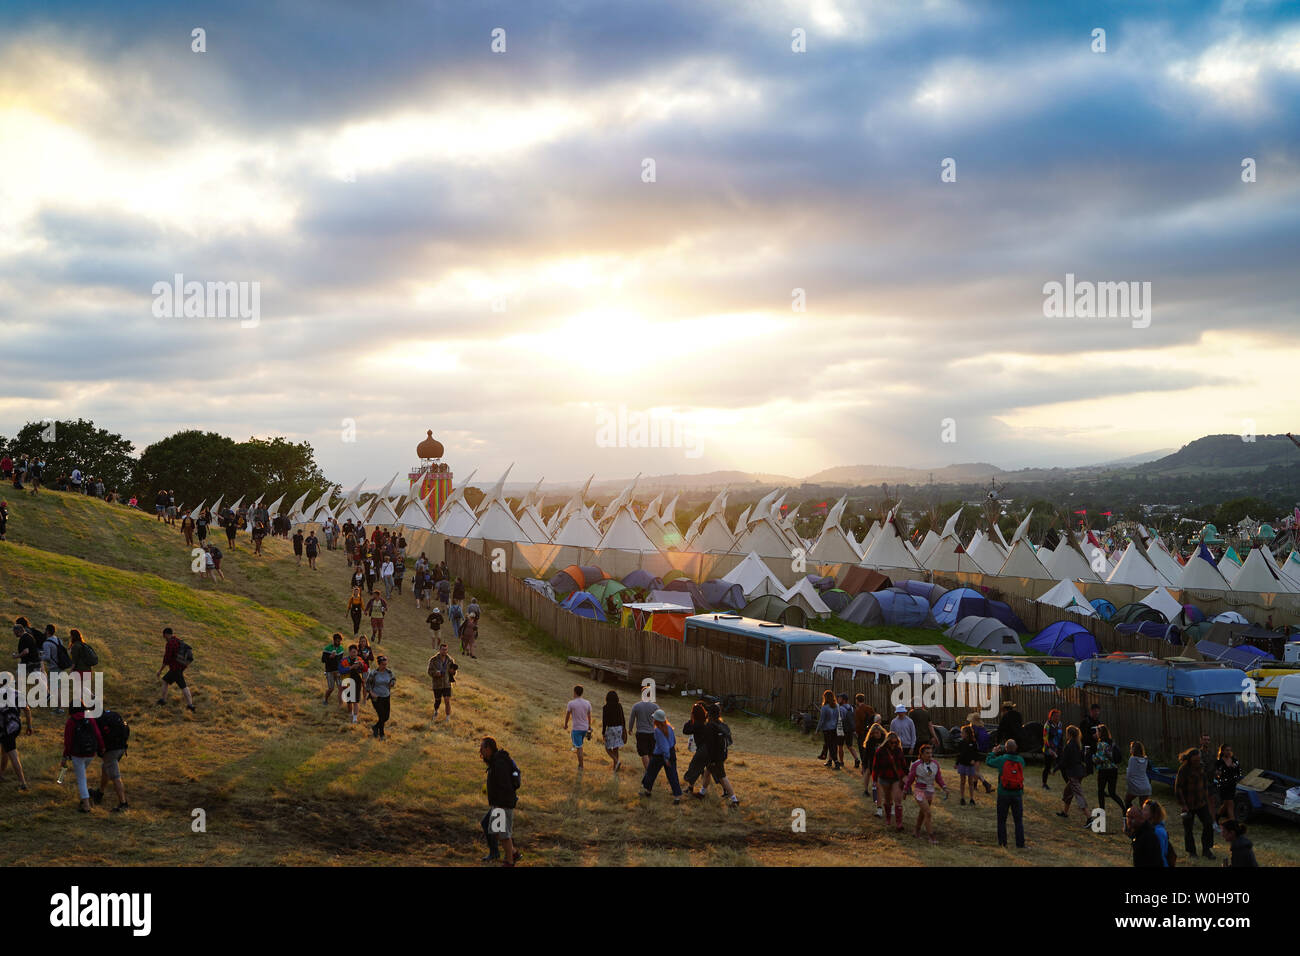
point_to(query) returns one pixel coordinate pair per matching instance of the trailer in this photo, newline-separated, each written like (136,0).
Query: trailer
(631,672)
(1264,793)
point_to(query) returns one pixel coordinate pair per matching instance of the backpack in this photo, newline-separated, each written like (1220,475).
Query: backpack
(59,654)
(84,743)
(10,721)
(184,655)
(721,740)
(91,657)
(115,731)
(1012,775)
(516,777)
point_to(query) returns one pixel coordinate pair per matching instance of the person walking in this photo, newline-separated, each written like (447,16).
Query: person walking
(399,572)
(116,734)
(84,661)
(177,656)
(1142,836)
(968,755)
(1010,768)
(442,672)
(297,545)
(1137,784)
(922,779)
(830,722)
(1155,813)
(863,716)
(312,549)
(4,518)
(1190,790)
(503,780)
(82,743)
(379,687)
(214,553)
(697,729)
(469,635)
(718,746)
(1227,771)
(888,768)
(1053,741)
(613,727)
(187,528)
(56,659)
(376,608)
(458,593)
(1010,724)
(352,672)
(905,728)
(641,723)
(11,726)
(578,710)
(870,744)
(664,758)
(1106,768)
(434,620)
(386,576)
(330,657)
(355,608)
(1073,770)
(848,729)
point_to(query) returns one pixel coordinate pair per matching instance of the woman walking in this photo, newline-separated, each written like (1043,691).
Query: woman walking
(613,725)
(698,730)
(1137,785)
(11,725)
(82,743)
(379,687)
(1227,771)
(888,768)
(664,758)
(469,635)
(870,744)
(386,576)
(968,755)
(377,607)
(922,779)
(1103,761)
(1073,769)
(355,607)
(829,723)
(1053,734)
(1156,814)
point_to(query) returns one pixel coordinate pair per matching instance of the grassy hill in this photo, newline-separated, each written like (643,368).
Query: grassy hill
(285,780)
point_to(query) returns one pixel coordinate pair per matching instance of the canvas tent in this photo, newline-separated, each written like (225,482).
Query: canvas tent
(754,577)
(1066,595)
(805,596)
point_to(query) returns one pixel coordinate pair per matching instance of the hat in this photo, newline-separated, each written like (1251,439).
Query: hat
(659,715)
(900,709)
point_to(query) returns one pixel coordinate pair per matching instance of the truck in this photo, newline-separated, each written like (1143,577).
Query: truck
(1182,683)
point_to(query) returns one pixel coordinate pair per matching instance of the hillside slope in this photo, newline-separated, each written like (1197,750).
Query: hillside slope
(285,780)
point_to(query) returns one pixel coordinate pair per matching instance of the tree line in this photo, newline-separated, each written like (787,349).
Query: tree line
(193,464)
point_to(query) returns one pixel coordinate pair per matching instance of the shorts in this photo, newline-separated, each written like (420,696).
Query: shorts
(967,770)
(176,677)
(440,693)
(216,564)
(8,743)
(501,822)
(645,745)
(376,622)
(331,680)
(718,771)
(614,738)
(158,509)
(111,757)
(579,737)
(922,796)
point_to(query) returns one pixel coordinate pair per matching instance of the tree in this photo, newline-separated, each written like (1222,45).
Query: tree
(64,445)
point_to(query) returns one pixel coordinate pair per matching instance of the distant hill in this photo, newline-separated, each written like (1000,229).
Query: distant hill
(875,474)
(1226,452)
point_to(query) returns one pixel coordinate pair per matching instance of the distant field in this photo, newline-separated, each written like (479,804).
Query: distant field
(286,780)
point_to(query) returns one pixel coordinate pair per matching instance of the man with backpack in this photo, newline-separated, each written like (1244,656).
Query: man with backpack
(717,745)
(503,781)
(1010,767)
(115,733)
(330,657)
(11,725)
(177,656)
(56,658)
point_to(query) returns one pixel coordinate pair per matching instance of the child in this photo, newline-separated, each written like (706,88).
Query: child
(967,757)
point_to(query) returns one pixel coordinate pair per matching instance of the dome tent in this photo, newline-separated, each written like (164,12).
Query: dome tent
(904,610)
(864,609)
(986,633)
(584,605)
(1066,639)
(769,607)
(959,603)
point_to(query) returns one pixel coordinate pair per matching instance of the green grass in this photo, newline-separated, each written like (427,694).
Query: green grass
(837,627)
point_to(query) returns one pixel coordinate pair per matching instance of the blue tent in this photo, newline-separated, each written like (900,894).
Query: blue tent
(1105,610)
(1002,611)
(722,594)
(903,609)
(641,578)
(584,605)
(821,582)
(925,589)
(959,603)
(1245,656)
(1065,639)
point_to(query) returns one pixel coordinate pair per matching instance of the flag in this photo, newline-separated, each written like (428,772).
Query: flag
(1083,512)
(1105,514)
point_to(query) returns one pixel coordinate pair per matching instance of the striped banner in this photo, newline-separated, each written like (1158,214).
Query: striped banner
(435,489)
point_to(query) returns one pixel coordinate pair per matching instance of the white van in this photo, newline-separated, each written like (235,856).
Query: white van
(879,667)
(1287,702)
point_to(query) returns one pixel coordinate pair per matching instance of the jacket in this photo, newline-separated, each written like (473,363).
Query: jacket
(502,777)
(1146,847)
(1189,786)
(1072,761)
(888,765)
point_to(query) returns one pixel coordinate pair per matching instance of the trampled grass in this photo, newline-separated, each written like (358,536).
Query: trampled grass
(285,780)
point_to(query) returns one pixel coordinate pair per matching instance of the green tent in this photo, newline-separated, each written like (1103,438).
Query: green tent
(602,590)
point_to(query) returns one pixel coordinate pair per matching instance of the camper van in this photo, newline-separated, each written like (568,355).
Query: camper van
(1060,670)
(880,668)
(1287,701)
(747,639)
(1010,671)
(1181,683)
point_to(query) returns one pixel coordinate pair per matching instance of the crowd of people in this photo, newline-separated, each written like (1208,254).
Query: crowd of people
(897,761)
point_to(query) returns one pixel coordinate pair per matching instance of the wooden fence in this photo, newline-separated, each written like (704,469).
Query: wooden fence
(1260,740)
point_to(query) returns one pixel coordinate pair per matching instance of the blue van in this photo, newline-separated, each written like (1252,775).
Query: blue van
(747,639)
(1181,683)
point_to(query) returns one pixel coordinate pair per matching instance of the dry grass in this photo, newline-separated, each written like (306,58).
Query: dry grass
(286,780)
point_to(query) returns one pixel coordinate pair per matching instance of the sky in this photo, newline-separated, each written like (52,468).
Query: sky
(446,236)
